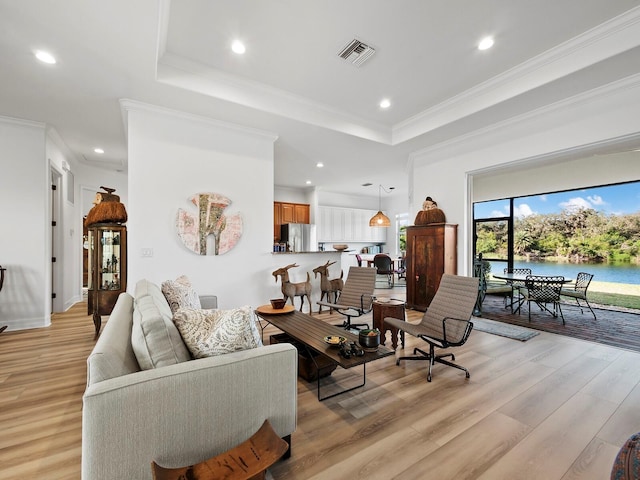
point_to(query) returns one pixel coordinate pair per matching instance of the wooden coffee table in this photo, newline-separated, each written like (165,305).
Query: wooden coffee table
(310,332)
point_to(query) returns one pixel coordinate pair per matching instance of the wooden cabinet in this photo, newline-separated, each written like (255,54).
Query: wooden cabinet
(285,212)
(107,275)
(301,213)
(431,251)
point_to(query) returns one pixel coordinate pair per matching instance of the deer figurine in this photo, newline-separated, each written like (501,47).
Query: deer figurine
(292,290)
(328,286)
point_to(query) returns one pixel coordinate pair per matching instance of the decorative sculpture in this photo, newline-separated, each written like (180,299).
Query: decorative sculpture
(106,208)
(430,213)
(194,230)
(291,290)
(327,286)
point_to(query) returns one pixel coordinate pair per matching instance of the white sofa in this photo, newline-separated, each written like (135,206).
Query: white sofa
(181,414)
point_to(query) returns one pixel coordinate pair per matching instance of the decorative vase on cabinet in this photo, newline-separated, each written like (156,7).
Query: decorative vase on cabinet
(107,274)
(431,251)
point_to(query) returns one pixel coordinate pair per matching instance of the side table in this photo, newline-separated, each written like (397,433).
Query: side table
(388,308)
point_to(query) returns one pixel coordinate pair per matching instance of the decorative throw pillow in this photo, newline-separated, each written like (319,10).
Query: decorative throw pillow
(215,332)
(180,294)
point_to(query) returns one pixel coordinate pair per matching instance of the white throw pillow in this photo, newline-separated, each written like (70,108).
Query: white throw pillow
(180,294)
(215,332)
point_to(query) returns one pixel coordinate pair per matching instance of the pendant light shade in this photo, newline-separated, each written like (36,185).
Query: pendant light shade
(379,219)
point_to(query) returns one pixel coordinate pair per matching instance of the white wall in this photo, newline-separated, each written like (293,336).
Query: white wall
(66,281)
(24,245)
(567,175)
(173,156)
(537,142)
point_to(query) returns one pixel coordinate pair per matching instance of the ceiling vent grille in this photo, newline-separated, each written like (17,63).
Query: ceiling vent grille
(356,52)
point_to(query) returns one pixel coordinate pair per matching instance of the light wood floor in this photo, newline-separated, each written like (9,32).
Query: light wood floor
(549,408)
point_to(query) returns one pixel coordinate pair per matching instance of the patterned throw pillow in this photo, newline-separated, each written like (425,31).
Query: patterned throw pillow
(215,332)
(180,294)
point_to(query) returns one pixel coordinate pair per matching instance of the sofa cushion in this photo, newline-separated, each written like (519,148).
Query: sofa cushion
(215,332)
(155,339)
(180,294)
(146,288)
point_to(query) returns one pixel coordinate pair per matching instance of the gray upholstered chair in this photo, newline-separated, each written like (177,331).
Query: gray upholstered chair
(446,323)
(356,297)
(578,291)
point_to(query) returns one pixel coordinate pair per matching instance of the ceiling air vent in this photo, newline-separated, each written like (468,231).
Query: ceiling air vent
(356,52)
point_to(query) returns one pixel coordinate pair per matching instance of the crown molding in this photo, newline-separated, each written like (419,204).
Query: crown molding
(613,88)
(603,41)
(127,105)
(595,45)
(181,72)
(22,122)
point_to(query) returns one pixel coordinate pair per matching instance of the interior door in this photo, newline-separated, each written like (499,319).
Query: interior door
(56,245)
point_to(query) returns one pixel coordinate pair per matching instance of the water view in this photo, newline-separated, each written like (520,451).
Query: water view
(602,272)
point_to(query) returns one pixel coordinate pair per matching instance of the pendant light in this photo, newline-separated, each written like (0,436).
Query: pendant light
(380,219)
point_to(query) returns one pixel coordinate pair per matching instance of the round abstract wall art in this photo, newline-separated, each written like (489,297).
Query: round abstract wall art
(209,231)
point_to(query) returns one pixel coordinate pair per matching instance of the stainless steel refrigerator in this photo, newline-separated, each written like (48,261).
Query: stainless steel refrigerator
(301,237)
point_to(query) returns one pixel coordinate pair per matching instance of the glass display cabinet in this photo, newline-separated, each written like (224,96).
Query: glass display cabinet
(107,276)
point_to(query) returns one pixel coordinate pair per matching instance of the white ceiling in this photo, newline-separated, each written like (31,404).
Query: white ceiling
(292,82)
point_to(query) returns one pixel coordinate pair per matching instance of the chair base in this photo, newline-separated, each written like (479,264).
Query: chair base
(347,325)
(543,307)
(433,358)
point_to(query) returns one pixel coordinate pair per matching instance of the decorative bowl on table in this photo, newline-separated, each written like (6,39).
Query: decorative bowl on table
(278,303)
(335,340)
(369,339)
(340,247)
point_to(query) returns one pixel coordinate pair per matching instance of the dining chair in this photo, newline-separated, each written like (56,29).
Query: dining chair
(543,290)
(578,290)
(402,268)
(359,260)
(384,266)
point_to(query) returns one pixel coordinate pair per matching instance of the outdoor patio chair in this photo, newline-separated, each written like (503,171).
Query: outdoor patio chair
(446,323)
(356,297)
(543,290)
(517,288)
(578,291)
(488,286)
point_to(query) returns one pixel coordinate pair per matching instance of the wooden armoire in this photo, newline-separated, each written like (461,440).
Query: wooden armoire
(431,251)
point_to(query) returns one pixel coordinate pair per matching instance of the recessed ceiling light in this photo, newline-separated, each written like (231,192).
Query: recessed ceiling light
(45,57)
(319,164)
(238,47)
(308,182)
(98,150)
(485,43)
(385,103)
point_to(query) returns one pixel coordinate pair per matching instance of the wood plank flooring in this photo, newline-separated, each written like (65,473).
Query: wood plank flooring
(549,408)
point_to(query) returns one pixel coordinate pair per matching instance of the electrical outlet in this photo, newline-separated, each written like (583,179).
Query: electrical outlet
(146,252)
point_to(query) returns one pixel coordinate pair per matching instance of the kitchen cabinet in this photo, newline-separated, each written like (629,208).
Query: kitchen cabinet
(286,212)
(340,224)
(431,252)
